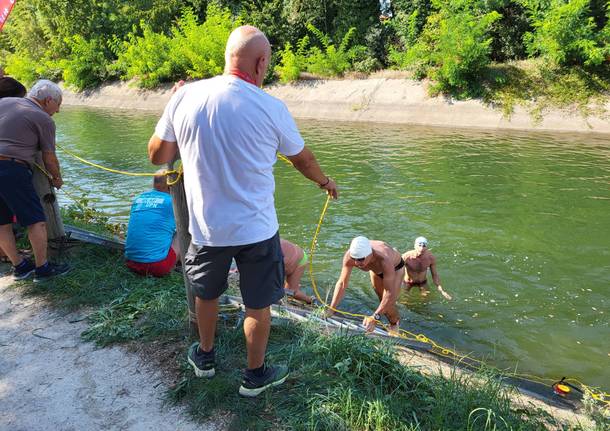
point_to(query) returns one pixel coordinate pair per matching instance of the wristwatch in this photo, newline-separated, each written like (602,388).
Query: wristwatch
(377,316)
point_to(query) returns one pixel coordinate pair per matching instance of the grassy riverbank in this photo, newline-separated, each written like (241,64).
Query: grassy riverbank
(337,381)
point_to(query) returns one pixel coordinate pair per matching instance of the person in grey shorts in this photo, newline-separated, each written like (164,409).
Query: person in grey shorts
(228,132)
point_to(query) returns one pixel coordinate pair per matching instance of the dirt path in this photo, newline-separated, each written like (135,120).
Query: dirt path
(50,379)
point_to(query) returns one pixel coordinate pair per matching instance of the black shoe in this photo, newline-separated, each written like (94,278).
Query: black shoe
(23,270)
(253,385)
(50,270)
(202,363)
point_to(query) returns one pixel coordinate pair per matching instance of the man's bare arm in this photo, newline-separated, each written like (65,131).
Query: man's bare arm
(160,151)
(305,162)
(341,285)
(437,280)
(389,295)
(51,164)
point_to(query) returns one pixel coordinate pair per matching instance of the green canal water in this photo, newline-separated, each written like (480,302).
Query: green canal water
(520,225)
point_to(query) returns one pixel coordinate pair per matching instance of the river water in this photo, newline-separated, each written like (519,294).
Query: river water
(519,223)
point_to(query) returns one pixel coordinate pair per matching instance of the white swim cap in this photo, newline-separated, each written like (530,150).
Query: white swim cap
(360,247)
(420,240)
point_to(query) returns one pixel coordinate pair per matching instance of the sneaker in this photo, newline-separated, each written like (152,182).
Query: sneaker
(202,363)
(23,270)
(253,385)
(50,270)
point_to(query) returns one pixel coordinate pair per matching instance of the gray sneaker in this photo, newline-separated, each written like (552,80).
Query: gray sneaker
(253,385)
(50,270)
(202,364)
(26,268)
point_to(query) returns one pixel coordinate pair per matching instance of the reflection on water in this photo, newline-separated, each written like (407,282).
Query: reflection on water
(519,224)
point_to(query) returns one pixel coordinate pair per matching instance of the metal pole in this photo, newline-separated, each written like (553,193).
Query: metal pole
(55,226)
(181,216)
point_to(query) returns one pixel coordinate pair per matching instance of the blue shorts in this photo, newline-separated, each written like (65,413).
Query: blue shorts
(261,271)
(17,195)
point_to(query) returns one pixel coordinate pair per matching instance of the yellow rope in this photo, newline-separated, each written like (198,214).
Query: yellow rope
(116,171)
(178,172)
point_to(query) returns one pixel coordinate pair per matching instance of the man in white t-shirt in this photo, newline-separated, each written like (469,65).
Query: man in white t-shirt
(228,132)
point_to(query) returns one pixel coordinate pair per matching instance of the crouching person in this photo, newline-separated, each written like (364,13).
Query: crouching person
(151,247)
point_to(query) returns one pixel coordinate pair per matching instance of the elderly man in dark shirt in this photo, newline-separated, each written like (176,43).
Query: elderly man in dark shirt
(26,127)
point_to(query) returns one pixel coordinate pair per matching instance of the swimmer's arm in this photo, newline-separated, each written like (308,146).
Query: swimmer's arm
(389,293)
(160,151)
(437,280)
(341,285)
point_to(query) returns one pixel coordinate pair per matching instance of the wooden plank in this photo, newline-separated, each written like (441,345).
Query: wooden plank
(93,238)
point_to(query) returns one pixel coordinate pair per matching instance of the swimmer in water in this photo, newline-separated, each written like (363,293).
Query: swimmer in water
(417,262)
(386,269)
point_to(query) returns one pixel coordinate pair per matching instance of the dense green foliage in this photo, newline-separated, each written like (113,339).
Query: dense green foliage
(452,42)
(453,48)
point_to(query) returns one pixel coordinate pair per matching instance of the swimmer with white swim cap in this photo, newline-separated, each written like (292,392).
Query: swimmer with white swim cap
(386,269)
(417,262)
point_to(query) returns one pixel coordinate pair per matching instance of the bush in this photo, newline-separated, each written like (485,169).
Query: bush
(565,33)
(507,33)
(147,58)
(201,46)
(327,61)
(330,60)
(86,66)
(28,69)
(21,67)
(453,48)
(292,63)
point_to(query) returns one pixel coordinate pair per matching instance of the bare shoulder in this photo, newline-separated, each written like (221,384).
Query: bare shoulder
(409,254)
(347,260)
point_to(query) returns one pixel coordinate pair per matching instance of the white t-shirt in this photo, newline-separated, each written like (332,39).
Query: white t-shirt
(228,132)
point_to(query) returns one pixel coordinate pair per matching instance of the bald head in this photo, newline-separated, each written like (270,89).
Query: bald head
(248,51)
(159,181)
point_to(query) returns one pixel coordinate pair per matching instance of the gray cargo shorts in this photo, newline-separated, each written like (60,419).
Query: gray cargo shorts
(261,271)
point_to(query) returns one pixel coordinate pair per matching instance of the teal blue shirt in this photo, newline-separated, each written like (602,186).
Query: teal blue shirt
(151,227)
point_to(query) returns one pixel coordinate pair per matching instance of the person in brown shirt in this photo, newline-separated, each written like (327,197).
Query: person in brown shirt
(26,127)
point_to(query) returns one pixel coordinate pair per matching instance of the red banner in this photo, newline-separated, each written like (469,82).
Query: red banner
(5,9)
